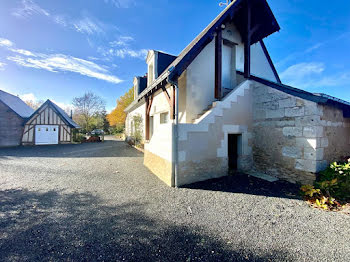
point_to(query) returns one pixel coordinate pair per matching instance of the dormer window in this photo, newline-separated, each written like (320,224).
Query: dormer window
(151,61)
(136,88)
(150,74)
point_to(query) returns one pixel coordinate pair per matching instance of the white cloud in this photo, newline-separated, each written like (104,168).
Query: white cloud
(5,42)
(121,3)
(121,48)
(2,66)
(122,41)
(59,63)
(22,52)
(28,97)
(312,75)
(28,9)
(66,107)
(60,20)
(122,53)
(64,63)
(87,26)
(302,70)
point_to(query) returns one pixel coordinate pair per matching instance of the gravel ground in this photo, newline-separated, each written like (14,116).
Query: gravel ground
(97,202)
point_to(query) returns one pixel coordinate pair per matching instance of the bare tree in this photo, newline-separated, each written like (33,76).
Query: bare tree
(86,107)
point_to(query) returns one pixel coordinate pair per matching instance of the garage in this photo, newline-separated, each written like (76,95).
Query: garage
(46,134)
(49,125)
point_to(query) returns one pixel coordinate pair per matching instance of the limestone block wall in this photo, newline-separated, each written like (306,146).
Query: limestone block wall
(292,135)
(203,146)
(336,134)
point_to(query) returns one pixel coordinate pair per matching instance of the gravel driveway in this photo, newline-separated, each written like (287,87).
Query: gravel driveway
(97,202)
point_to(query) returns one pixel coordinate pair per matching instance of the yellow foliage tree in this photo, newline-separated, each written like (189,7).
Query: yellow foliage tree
(117,116)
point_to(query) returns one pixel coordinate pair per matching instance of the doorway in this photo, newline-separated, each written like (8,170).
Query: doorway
(234,144)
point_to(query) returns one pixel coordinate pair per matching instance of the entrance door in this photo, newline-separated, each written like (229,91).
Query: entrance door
(46,135)
(228,67)
(233,140)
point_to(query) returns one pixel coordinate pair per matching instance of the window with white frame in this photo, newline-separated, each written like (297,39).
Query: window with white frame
(164,118)
(150,75)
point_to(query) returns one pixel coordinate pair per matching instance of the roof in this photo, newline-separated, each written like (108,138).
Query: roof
(262,18)
(164,60)
(143,83)
(314,97)
(16,104)
(60,112)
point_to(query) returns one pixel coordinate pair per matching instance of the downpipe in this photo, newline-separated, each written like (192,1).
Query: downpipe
(175,136)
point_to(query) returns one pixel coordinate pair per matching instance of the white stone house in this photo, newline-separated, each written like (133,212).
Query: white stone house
(220,105)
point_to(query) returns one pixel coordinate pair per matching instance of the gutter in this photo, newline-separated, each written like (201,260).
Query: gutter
(175,148)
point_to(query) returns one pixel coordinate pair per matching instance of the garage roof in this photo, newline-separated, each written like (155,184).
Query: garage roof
(60,112)
(16,104)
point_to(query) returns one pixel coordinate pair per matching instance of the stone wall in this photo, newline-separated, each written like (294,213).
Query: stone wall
(292,135)
(11,127)
(161,167)
(203,146)
(336,134)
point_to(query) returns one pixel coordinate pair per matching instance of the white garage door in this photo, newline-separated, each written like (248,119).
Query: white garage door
(46,135)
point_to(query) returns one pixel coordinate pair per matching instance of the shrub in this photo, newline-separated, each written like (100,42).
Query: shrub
(335,180)
(78,137)
(332,187)
(138,129)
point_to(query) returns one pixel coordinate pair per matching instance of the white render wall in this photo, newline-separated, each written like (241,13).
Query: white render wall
(259,63)
(200,82)
(138,111)
(160,143)
(200,74)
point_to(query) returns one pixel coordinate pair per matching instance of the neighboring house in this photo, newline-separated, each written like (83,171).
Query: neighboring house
(48,125)
(13,115)
(220,105)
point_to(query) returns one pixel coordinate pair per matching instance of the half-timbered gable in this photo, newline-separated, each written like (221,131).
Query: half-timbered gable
(49,124)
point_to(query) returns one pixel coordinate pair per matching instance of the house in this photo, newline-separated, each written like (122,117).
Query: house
(13,115)
(220,106)
(48,125)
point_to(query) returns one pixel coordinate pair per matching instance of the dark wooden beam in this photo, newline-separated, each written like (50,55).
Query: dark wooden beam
(148,106)
(147,119)
(167,96)
(228,42)
(218,63)
(247,43)
(254,29)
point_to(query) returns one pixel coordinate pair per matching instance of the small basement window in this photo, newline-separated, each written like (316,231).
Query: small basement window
(164,118)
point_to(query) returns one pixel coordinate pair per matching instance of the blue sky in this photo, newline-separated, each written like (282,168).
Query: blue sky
(60,49)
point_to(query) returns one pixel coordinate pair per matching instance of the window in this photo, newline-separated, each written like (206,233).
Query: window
(164,118)
(150,126)
(150,75)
